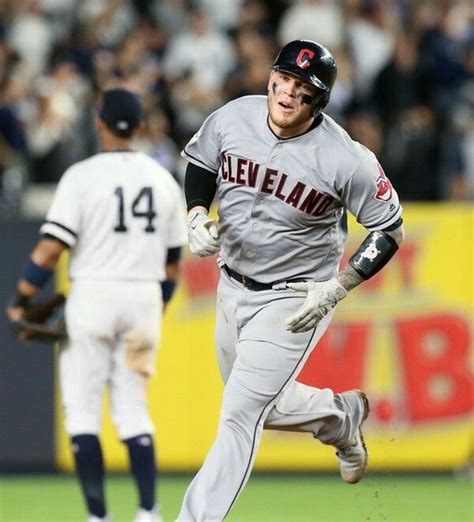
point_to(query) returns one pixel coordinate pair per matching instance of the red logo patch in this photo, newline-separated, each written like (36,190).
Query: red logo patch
(384,187)
(303,59)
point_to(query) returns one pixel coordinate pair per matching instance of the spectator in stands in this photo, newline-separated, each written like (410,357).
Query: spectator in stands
(370,35)
(110,20)
(409,125)
(54,144)
(442,49)
(412,155)
(318,20)
(363,125)
(13,146)
(400,85)
(223,18)
(343,92)
(204,53)
(256,15)
(185,62)
(155,141)
(462,186)
(255,54)
(171,14)
(196,64)
(30,35)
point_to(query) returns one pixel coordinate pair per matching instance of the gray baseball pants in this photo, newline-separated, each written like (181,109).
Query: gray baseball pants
(259,361)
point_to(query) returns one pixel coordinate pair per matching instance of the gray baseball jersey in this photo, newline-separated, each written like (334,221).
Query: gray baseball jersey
(281,205)
(282,201)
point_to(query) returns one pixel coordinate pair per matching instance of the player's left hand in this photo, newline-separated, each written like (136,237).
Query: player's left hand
(320,299)
(41,321)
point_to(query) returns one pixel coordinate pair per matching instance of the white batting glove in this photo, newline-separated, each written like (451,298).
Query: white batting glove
(320,299)
(203,234)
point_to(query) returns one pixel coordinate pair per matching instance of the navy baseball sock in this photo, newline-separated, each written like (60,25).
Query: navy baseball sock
(90,470)
(142,461)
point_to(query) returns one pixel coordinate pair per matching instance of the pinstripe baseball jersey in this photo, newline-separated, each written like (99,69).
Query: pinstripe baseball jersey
(119,212)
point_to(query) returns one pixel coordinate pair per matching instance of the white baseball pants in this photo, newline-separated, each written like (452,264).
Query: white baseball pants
(105,318)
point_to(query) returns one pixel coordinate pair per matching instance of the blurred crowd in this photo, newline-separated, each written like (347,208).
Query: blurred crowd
(405,81)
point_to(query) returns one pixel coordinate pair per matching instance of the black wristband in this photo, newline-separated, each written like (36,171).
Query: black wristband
(373,254)
(19,300)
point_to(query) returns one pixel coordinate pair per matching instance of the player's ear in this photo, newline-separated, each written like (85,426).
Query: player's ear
(271,80)
(99,123)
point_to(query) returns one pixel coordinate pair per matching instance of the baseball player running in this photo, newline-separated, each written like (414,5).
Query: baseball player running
(284,174)
(122,217)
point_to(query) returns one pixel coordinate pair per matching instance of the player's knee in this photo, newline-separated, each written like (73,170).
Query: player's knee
(77,423)
(241,421)
(132,425)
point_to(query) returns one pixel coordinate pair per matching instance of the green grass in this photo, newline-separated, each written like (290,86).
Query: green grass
(277,498)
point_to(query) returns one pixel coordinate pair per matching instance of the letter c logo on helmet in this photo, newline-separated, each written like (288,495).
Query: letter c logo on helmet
(304,57)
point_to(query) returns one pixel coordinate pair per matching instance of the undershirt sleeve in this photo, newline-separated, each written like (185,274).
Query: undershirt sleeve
(199,186)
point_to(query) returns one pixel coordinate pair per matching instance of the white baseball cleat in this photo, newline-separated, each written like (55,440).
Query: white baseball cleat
(148,516)
(354,457)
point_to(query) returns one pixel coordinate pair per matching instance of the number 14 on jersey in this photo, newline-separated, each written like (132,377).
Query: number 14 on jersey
(143,206)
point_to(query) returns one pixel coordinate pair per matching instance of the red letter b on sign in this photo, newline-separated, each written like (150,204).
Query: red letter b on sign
(435,354)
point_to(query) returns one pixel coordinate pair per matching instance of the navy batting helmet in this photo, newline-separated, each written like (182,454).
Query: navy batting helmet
(311,62)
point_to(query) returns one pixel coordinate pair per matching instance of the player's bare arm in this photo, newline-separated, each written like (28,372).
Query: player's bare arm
(172,271)
(36,273)
(349,278)
(46,255)
(29,319)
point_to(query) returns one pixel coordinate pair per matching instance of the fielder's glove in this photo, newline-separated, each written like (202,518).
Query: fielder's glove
(320,299)
(203,234)
(41,321)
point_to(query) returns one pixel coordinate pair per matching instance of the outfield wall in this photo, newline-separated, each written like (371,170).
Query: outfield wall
(26,372)
(405,337)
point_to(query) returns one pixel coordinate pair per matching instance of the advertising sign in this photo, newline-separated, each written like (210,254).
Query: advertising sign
(404,337)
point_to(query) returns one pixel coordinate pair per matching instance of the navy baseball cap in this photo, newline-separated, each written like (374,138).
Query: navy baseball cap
(121,110)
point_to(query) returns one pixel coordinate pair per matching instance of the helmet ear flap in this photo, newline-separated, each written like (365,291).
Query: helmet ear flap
(319,103)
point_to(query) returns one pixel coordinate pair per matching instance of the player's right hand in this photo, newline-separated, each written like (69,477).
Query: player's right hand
(203,234)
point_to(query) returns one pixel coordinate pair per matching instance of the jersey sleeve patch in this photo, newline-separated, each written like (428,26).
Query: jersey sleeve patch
(384,189)
(60,231)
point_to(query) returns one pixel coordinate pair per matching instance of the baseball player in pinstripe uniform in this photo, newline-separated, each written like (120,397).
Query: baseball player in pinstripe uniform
(284,174)
(122,218)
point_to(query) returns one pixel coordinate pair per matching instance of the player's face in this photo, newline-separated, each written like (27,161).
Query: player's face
(290,114)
